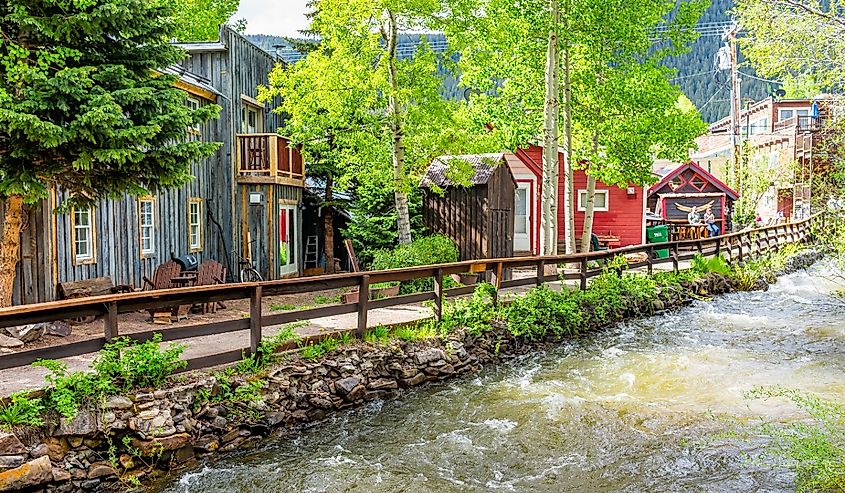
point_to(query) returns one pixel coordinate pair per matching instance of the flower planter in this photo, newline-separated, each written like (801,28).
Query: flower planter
(375,293)
(467,279)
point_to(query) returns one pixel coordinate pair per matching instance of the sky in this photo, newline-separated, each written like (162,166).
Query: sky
(279,17)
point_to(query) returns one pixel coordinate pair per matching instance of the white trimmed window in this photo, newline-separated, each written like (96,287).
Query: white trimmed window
(600,202)
(193,104)
(146,220)
(83,235)
(195,225)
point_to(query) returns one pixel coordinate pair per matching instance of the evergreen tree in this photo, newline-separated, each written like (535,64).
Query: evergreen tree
(84,110)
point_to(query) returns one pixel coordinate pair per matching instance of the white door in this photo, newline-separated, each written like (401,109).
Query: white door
(288,240)
(522,218)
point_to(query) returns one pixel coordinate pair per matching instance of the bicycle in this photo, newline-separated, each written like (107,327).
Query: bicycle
(248,273)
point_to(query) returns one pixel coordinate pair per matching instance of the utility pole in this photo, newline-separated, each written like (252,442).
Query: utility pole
(735,173)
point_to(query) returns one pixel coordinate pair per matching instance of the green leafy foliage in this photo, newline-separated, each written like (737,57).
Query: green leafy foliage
(813,448)
(20,409)
(543,311)
(428,250)
(378,335)
(130,364)
(702,265)
(200,20)
(473,314)
(121,365)
(265,355)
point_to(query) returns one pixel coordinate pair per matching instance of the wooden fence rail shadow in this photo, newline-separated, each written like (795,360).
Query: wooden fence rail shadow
(735,247)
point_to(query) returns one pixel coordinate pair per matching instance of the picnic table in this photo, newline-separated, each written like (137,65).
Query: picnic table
(609,241)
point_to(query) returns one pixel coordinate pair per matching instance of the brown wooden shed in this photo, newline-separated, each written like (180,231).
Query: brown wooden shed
(478,215)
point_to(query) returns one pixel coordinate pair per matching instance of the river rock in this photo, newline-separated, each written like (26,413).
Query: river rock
(11,461)
(346,385)
(9,342)
(382,384)
(29,475)
(58,329)
(84,423)
(27,333)
(429,355)
(10,444)
(157,445)
(413,381)
(100,470)
(117,402)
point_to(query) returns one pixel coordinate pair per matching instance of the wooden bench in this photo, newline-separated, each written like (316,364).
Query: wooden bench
(90,287)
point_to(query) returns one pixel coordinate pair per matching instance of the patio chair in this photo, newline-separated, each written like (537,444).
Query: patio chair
(209,273)
(163,279)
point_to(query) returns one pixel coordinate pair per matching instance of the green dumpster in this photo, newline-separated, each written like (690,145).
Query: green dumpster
(658,234)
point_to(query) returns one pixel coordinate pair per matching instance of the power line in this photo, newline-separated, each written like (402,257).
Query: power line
(760,78)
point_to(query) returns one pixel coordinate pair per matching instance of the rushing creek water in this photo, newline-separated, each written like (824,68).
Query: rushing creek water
(632,409)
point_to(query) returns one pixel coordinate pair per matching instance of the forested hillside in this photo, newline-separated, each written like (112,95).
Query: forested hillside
(696,76)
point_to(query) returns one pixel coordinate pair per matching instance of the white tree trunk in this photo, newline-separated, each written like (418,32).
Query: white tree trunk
(403,216)
(589,213)
(548,217)
(568,200)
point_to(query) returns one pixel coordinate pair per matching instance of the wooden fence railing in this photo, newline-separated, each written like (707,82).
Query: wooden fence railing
(735,247)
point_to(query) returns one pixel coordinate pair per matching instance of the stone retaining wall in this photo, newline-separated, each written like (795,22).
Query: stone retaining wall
(150,433)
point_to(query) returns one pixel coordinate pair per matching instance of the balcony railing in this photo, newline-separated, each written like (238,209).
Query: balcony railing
(269,158)
(801,123)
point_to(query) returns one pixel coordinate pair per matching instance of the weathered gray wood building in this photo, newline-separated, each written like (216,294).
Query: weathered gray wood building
(244,200)
(477,215)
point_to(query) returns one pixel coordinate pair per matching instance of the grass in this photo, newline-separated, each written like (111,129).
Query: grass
(284,307)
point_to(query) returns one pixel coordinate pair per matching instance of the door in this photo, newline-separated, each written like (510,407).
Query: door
(522,218)
(288,240)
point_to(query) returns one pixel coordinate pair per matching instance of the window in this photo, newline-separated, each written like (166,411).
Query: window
(252,119)
(786,115)
(193,104)
(146,220)
(83,235)
(521,211)
(600,201)
(195,224)
(759,126)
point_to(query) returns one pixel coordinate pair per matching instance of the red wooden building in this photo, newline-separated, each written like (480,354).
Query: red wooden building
(688,186)
(619,212)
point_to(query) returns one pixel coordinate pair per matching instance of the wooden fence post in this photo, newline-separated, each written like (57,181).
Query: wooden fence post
(110,330)
(741,242)
(363,301)
(718,245)
(650,253)
(675,265)
(583,272)
(254,319)
(438,295)
(541,271)
(498,282)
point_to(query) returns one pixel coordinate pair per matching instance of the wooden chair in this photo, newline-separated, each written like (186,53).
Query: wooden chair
(163,279)
(209,273)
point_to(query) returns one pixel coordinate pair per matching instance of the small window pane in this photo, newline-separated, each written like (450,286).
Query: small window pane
(601,200)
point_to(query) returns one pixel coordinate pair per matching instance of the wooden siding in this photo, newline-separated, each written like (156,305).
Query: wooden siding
(625,217)
(478,219)
(235,71)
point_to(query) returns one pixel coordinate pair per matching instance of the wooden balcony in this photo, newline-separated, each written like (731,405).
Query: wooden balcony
(269,158)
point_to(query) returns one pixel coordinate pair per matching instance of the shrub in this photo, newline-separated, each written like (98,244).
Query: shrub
(703,266)
(68,391)
(543,310)
(20,409)
(427,250)
(121,365)
(474,314)
(136,365)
